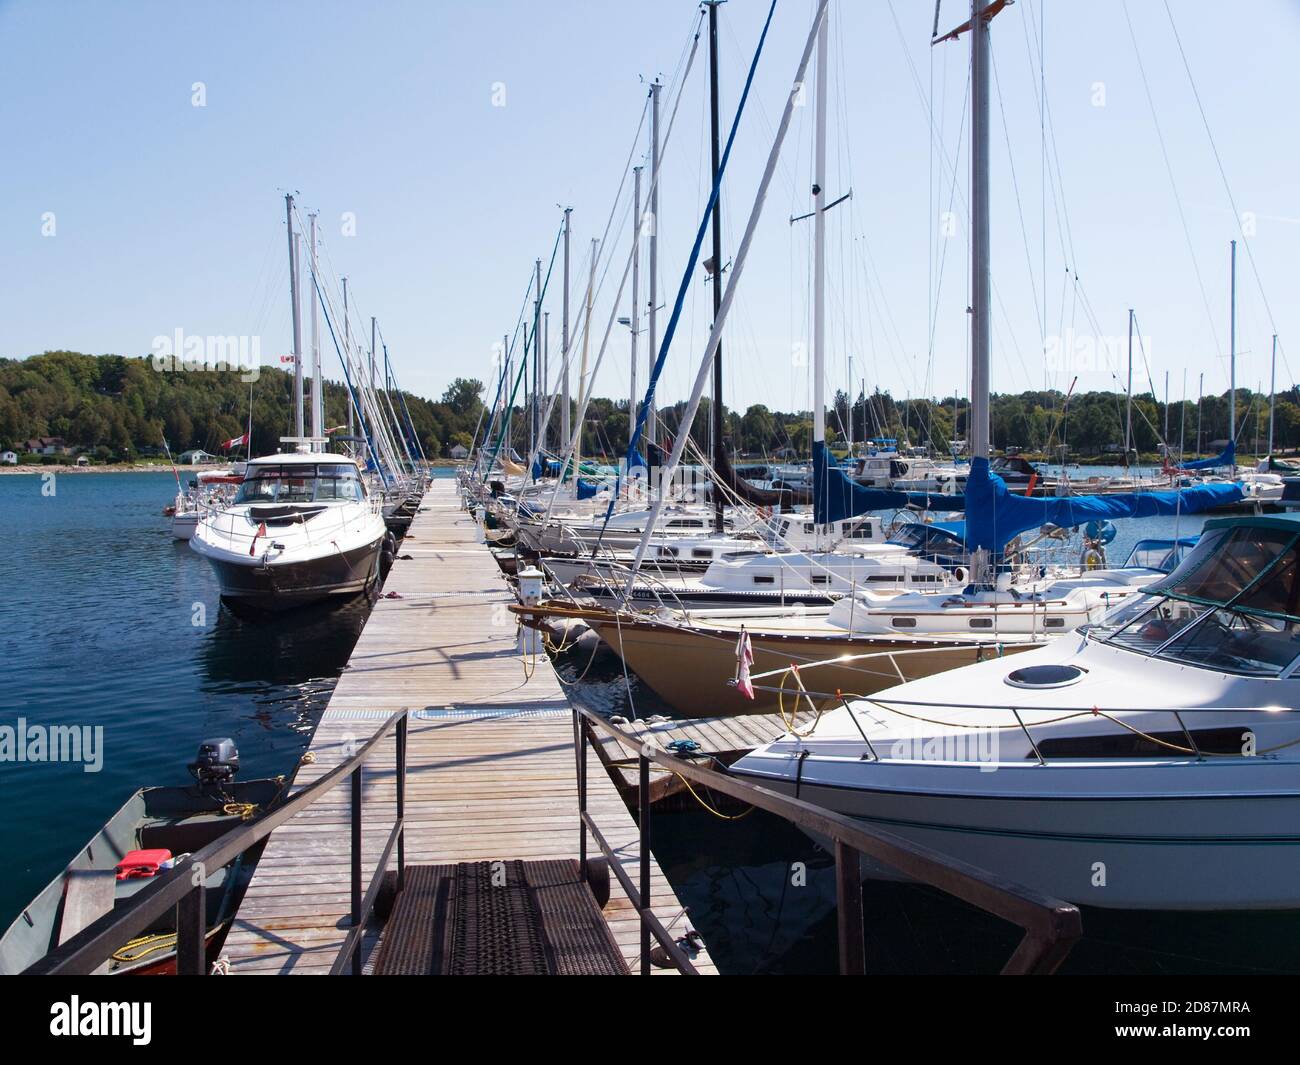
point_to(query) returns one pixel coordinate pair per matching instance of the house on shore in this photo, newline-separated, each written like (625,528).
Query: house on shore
(8,458)
(195,457)
(458,452)
(47,445)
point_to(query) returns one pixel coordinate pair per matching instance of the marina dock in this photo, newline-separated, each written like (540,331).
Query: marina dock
(490,759)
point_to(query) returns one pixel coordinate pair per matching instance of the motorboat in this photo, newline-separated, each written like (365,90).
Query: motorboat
(142,840)
(1150,761)
(303,527)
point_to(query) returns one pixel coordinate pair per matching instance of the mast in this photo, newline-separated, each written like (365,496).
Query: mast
(819,240)
(1272,395)
(1200,394)
(1166,413)
(533,411)
(718,446)
(1232,354)
(317,382)
(636,294)
(651,429)
(546,371)
(564,337)
(297,316)
(1128,391)
(981,279)
(586,344)
(506,390)
(373,427)
(347,354)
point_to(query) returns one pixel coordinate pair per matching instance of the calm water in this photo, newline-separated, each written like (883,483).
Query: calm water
(106,620)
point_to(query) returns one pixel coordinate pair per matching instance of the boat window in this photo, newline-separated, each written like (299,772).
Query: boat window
(821,578)
(760,578)
(1226,561)
(1238,643)
(300,483)
(682,523)
(981,623)
(1148,630)
(809,527)
(338,482)
(904,623)
(1054,623)
(701,552)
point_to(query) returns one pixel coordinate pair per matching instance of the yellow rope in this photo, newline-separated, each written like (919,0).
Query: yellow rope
(712,810)
(244,810)
(151,943)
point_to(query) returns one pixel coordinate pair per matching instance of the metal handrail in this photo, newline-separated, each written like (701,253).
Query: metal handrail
(1051,926)
(183,887)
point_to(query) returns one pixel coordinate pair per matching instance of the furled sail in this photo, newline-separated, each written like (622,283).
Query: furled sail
(994,516)
(836,497)
(1226,457)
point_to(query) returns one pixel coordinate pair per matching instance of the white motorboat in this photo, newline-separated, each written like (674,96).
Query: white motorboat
(1150,762)
(302,527)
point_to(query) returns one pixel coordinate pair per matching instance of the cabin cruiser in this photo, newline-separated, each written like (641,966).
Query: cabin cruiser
(303,527)
(1149,761)
(208,488)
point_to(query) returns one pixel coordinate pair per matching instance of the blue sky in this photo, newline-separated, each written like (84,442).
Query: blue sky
(170,216)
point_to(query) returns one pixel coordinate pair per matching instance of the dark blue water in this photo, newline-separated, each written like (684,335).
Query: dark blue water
(106,620)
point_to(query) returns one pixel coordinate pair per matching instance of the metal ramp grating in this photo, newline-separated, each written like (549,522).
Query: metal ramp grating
(497,918)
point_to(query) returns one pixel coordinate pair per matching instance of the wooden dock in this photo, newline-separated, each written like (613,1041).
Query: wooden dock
(718,739)
(490,761)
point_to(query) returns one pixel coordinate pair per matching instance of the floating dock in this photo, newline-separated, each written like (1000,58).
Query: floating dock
(490,759)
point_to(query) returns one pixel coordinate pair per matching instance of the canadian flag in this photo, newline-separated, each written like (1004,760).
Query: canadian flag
(744,659)
(239,441)
(261,531)
(288,358)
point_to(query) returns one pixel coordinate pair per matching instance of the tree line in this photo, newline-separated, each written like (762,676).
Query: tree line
(119,407)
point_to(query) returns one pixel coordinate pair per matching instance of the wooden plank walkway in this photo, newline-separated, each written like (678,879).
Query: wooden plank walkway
(725,739)
(490,757)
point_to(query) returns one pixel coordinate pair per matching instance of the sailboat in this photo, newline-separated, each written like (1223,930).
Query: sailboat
(304,525)
(1151,761)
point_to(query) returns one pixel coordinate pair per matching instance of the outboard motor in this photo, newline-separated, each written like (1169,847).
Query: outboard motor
(216,763)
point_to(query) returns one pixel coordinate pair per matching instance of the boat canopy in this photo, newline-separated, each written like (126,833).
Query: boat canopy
(994,516)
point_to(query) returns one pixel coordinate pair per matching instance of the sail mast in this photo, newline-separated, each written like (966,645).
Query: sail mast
(819,240)
(1232,355)
(717,252)
(297,316)
(651,429)
(317,383)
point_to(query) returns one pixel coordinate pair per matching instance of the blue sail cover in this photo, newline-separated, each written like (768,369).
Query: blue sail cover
(1226,457)
(836,497)
(994,516)
(587,489)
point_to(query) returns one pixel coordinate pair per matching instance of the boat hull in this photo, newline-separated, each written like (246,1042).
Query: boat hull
(1201,852)
(274,586)
(694,670)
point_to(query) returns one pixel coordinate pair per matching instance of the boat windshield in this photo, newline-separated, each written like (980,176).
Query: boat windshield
(301,483)
(1232,605)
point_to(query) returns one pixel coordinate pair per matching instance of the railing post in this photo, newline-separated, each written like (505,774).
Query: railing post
(580,752)
(401,801)
(191,933)
(848,904)
(643,802)
(356,863)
